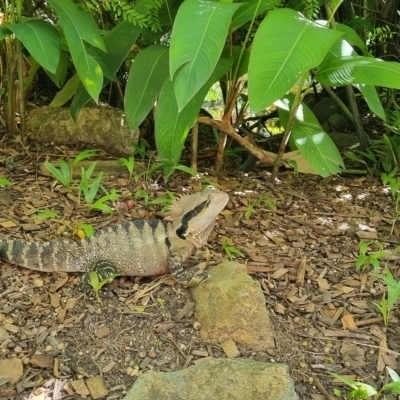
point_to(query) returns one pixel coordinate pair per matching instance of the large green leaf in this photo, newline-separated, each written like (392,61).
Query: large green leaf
(62,68)
(349,35)
(146,78)
(197,40)
(300,5)
(119,42)
(372,99)
(42,41)
(342,48)
(367,70)
(250,10)
(4,32)
(285,46)
(66,93)
(172,126)
(79,26)
(239,55)
(308,136)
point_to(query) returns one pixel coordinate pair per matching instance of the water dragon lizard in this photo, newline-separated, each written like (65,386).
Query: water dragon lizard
(135,248)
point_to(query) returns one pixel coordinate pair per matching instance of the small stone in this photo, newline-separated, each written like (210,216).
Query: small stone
(152,354)
(230,348)
(103,332)
(38,282)
(196,325)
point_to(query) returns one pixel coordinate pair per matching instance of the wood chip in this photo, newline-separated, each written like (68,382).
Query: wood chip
(8,224)
(109,367)
(188,307)
(367,235)
(279,273)
(323,285)
(348,322)
(96,387)
(41,360)
(301,272)
(80,387)
(55,300)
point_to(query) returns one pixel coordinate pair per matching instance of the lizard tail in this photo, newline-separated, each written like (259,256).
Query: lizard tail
(46,256)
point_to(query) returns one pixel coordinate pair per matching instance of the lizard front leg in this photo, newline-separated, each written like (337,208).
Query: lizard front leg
(181,250)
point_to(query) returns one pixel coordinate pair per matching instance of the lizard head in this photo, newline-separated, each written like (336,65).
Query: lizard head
(194,216)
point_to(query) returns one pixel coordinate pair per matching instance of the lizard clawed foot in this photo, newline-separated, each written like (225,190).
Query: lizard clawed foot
(197,280)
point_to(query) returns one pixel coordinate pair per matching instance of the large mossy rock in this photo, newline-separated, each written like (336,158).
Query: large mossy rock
(96,127)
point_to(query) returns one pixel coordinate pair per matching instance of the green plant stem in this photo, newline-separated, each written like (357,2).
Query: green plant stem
(362,136)
(21,89)
(340,103)
(286,135)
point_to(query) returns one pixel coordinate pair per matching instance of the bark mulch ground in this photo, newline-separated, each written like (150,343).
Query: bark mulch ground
(303,254)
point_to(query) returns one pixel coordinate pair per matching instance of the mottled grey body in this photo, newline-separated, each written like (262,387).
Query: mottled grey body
(139,245)
(137,248)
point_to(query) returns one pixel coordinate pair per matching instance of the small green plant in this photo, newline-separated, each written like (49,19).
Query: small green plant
(161,302)
(256,202)
(365,157)
(45,214)
(230,250)
(101,273)
(64,173)
(97,284)
(83,230)
(4,182)
(90,188)
(367,257)
(100,204)
(393,116)
(141,149)
(394,183)
(129,163)
(142,194)
(388,300)
(362,390)
(165,201)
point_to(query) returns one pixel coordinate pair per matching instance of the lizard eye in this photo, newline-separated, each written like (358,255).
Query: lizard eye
(181,233)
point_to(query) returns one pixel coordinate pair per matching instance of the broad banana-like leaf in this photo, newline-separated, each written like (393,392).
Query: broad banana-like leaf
(172,125)
(251,10)
(364,70)
(41,39)
(342,49)
(281,55)
(119,42)
(197,40)
(79,26)
(146,78)
(308,136)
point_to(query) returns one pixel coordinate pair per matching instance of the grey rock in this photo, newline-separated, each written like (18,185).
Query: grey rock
(231,305)
(220,379)
(101,126)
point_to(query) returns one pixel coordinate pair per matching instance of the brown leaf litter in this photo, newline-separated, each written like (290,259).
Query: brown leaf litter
(303,255)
